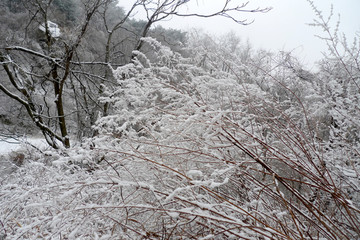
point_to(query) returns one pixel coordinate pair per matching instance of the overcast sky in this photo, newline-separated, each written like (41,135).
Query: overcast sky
(283,28)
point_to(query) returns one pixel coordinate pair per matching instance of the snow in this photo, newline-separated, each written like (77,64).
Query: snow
(182,178)
(173,214)
(210,236)
(218,184)
(194,173)
(348,172)
(53,28)
(8,145)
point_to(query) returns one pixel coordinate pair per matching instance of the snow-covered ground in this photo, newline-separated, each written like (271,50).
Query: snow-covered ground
(9,145)
(8,149)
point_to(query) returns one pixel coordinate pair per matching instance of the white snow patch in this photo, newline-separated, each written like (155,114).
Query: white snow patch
(194,173)
(218,184)
(210,236)
(350,173)
(8,145)
(173,214)
(53,29)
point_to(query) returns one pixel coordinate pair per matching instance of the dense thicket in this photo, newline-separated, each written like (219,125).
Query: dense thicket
(62,76)
(211,139)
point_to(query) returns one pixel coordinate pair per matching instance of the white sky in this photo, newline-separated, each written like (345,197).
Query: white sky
(283,28)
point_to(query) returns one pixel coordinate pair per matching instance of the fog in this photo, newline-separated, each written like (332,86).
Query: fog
(285,27)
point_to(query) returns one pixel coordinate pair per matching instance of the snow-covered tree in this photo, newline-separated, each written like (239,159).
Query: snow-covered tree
(207,144)
(243,160)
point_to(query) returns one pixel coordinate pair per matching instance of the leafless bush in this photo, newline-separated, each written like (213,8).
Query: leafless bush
(215,154)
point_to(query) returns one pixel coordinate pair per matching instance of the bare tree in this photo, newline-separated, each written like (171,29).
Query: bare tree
(55,69)
(57,80)
(160,10)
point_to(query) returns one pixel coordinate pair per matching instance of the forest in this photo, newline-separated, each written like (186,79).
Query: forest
(156,133)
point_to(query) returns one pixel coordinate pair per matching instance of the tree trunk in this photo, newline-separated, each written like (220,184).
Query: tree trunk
(60,108)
